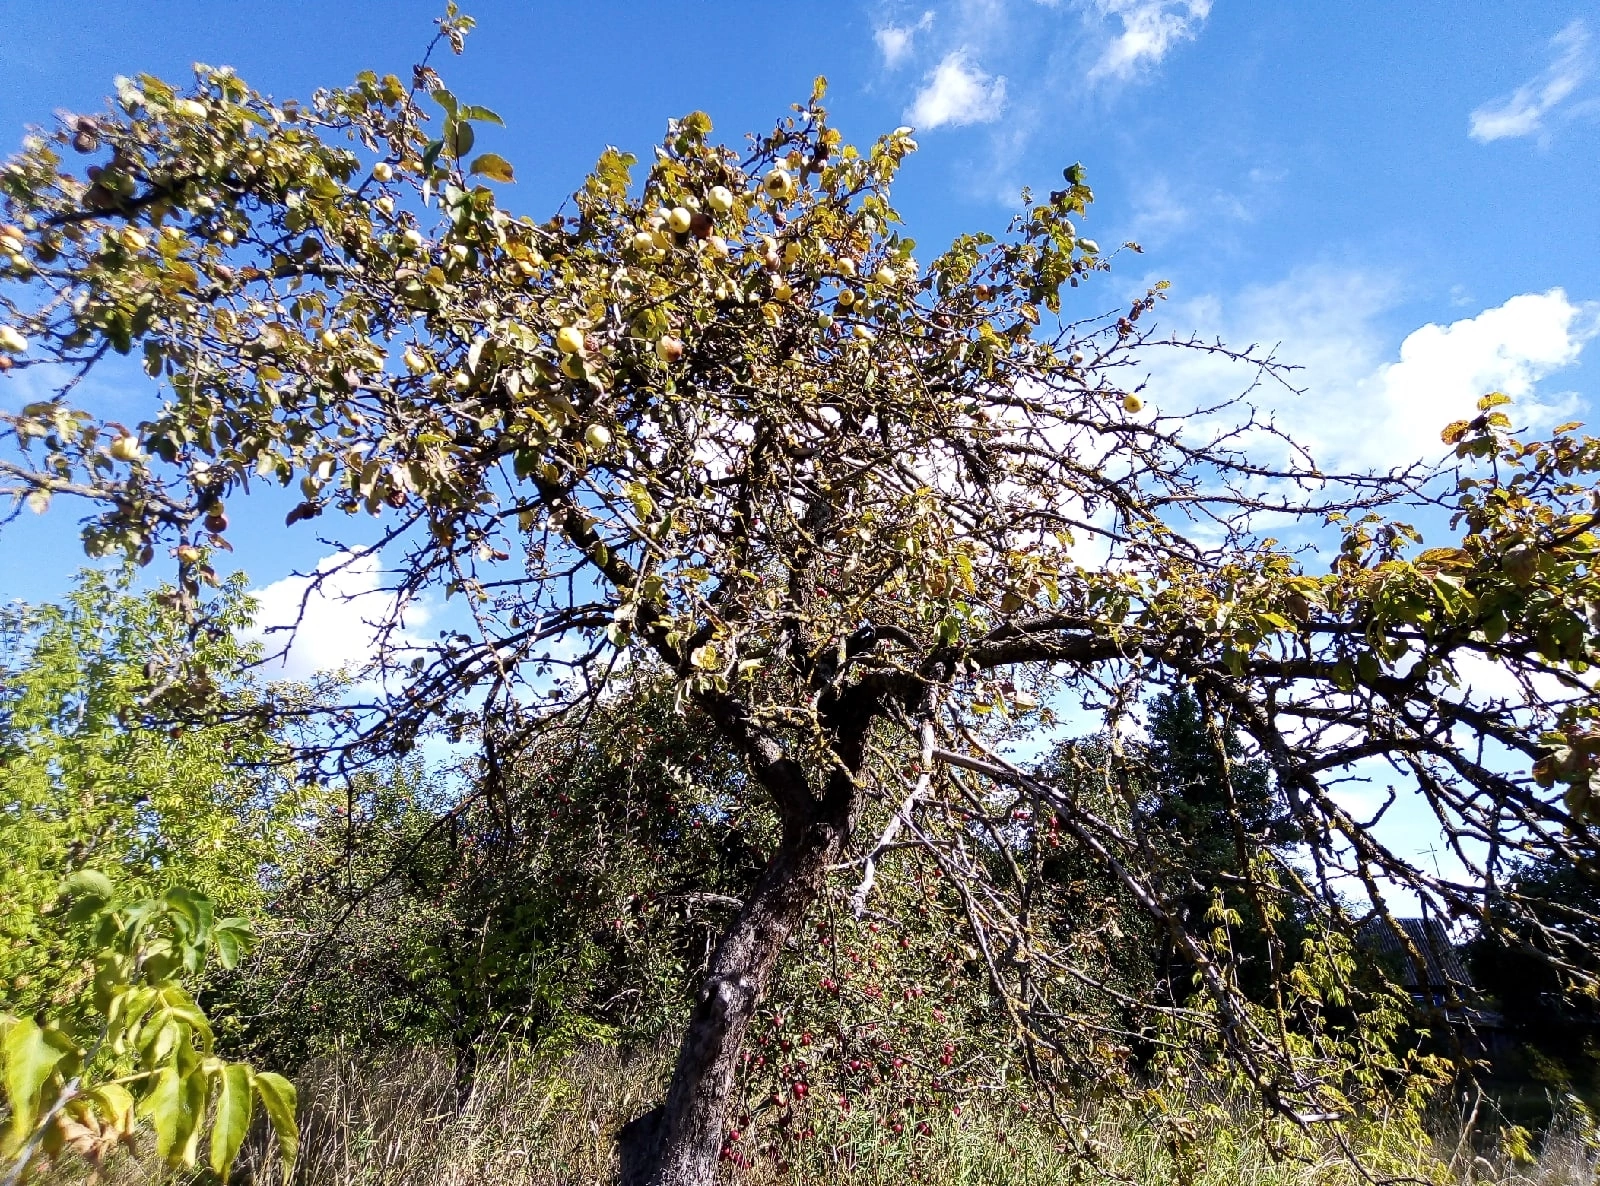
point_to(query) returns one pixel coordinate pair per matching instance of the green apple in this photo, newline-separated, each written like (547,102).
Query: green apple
(720,199)
(125,447)
(383,171)
(570,340)
(644,243)
(779,183)
(11,340)
(1132,403)
(415,362)
(679,220)
(597,436)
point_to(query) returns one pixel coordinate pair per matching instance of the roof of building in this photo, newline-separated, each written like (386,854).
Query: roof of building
(1442,962)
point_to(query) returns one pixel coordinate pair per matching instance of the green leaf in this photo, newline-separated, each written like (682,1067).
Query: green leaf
(459,138)
(89,883)
(232,1120)
(89,892)
(194,907)
(430,155)
(480,115)
(444,99)
(164,1108)
(278,1098)
(30,1058)
(195,1089)
(233,937)
(495,168)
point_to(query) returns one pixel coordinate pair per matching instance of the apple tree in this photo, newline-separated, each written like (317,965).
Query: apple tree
(715,418)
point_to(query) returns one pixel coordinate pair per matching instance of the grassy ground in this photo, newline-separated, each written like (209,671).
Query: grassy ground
(394,1121)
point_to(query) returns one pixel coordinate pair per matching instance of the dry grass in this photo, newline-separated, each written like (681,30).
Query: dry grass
(394,1121)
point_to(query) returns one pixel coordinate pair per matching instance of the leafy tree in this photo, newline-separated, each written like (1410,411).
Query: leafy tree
(93,774)
(134,1044)
(1534,971)
(573,898)
(719,422)
(1220,812)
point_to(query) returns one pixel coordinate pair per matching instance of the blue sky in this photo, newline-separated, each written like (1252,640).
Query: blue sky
(1400,197)
(1334,178)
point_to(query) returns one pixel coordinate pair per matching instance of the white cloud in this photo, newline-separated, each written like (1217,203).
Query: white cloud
(337,624)
(1364,405)
(1150,28)
(894,41)
(1523,111)
(1443,369)
(957,93)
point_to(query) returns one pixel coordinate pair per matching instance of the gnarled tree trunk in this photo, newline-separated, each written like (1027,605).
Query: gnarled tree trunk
(679,1143)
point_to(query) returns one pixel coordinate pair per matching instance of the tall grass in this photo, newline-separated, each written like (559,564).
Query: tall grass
(398,1120)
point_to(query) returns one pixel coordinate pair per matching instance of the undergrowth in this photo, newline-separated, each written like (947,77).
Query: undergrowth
(398,1120)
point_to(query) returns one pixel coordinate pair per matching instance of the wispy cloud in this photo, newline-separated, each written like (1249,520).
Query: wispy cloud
(957,92)
(1525,110)
(895,41)
(1150,28)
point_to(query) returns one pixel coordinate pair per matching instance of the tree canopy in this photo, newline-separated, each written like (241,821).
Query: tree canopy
(872,516)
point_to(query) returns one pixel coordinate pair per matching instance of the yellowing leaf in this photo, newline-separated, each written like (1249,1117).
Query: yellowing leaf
(492,166)
(1445,558)
(30,1057)
(277,1096)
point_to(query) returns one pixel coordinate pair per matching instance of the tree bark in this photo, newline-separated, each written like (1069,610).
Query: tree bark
(679,1143)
